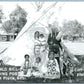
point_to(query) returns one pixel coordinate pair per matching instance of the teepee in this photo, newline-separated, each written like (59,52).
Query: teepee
(24,43)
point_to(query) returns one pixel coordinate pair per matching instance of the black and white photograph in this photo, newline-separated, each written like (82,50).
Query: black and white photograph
(41,42)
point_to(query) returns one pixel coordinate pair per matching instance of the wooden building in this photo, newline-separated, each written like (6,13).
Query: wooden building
(8,37)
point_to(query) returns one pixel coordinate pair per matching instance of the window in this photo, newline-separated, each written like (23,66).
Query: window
(4,38)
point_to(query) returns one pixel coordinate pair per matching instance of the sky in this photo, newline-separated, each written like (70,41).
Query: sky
(63,10)
(73,10)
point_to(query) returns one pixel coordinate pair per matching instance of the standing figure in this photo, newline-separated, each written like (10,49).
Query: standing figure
(54,43)
(37,44)
(43,52)
(43,42)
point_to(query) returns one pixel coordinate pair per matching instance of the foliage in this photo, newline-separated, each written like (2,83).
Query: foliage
(18,13)
(16,22)
(1,15)
(73,29)
(7,26)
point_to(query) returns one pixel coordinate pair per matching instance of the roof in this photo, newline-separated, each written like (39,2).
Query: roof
(8,34)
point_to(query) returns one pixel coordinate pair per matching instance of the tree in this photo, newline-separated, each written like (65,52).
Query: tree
(16,22)
(18,18)
(1,15)
(73,29)
(18,13)
(7,26)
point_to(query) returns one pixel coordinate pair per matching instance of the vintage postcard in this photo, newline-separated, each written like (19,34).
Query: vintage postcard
(41,42)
